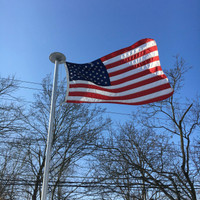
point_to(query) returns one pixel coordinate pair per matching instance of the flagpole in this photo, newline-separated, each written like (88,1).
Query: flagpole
(56,58)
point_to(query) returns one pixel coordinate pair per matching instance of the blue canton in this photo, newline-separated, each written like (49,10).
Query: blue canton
(94,72)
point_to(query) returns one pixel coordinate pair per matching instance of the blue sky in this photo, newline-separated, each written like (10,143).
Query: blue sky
(85,30)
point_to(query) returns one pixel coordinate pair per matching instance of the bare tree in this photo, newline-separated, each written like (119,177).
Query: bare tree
(180,120)
(8,110)
(11,161)
(76,129)
(153,153)
(195,151)
(130,163)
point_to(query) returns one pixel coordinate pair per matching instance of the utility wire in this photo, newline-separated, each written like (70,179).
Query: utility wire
(90,184)
(31,102)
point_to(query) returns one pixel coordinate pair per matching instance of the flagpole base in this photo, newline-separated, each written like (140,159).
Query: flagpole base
(56,56)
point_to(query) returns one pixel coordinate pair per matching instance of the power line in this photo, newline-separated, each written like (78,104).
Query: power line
(30,139)
(16,100)
(31,102)
(30,88)
(91,184)
(17,80)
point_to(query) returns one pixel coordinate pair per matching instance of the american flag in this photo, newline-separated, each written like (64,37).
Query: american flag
(131,75)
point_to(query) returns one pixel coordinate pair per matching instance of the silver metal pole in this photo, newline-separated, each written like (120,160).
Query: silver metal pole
(56,58)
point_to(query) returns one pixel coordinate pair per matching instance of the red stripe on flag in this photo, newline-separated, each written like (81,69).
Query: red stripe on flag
(121,51)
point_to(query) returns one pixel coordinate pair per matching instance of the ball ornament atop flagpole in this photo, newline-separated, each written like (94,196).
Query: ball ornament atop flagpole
(56,56)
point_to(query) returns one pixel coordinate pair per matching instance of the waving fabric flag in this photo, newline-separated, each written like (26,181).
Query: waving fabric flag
(132,75)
